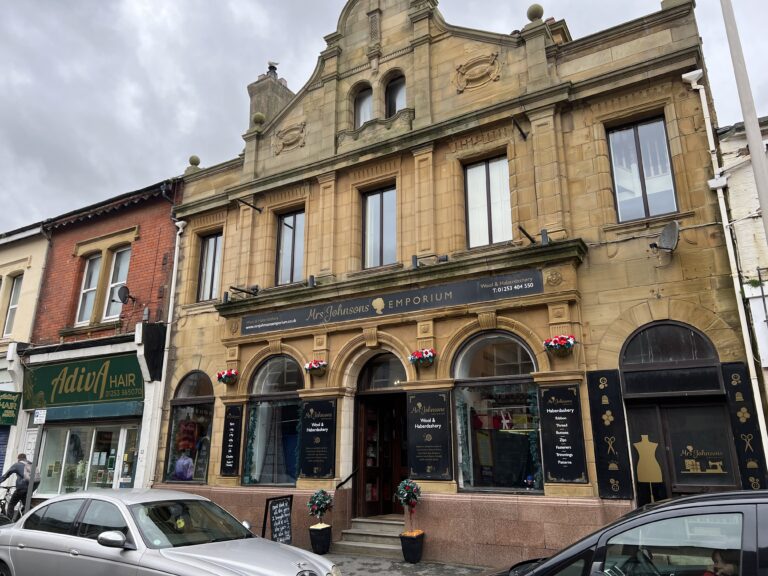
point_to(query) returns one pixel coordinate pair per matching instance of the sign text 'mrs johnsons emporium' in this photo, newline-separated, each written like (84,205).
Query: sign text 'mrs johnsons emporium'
(520,283)
(112,379)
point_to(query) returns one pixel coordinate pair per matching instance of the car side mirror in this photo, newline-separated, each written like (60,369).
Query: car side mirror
(246,524)
(114,539)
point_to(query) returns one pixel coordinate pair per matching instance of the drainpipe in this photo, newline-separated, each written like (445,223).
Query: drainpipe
(718,184)
(158,392)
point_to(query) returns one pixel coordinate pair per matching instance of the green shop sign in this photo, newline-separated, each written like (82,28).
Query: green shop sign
(9,408)
(112,379)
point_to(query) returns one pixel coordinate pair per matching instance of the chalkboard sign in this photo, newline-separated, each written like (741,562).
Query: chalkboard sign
(429,436)
(230,446)
(562,435)
(279,512)
(318,439)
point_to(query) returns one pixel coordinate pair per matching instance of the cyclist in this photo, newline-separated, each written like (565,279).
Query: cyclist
(22,483)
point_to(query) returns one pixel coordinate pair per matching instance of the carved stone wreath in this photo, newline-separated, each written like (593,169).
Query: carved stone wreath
(477,72)
(289,138)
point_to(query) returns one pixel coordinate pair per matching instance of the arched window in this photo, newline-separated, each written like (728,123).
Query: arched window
(395,95)
(363,106)
(272,436)
(382,372)
(497,415)
(189,439)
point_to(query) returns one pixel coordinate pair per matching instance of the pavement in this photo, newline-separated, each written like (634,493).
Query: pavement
(364,565)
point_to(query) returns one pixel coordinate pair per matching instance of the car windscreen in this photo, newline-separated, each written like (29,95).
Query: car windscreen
(174,523)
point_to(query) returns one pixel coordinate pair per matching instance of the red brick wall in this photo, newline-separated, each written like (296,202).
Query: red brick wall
(149,271)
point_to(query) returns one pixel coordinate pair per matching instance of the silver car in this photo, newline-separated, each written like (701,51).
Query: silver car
(143,532)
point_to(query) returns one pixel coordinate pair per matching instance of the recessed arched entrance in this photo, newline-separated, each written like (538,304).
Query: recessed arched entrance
(381,444)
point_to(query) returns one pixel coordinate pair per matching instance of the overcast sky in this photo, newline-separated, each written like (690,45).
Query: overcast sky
(102,97)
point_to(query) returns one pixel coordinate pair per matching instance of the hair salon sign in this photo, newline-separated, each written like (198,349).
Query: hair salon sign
(111,379)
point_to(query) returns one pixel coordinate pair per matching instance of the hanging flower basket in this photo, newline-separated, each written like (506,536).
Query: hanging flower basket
(228,376)
(560,345)
(316,367)
(424,357)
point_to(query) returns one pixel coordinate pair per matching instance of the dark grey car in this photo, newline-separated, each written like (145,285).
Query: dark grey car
(142,533)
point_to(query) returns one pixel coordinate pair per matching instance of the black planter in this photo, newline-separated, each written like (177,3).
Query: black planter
(412,546)
(320,539)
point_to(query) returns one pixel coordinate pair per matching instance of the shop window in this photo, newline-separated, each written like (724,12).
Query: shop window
(395,95)
(272,436)
(290,260)
(363,106)
(384,371)
(209,275)
(684,545)
(13,304)
(642,170)
(117,279)
(489,212)
(380,228)
(189,439)
(497,415)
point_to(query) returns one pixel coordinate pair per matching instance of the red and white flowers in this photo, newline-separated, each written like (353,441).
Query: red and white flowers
(562,342)
(315,366)
(423,357)
(228,376)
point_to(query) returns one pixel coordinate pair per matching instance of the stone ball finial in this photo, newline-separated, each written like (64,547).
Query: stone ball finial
(535,12)
(194,161)
(258,118)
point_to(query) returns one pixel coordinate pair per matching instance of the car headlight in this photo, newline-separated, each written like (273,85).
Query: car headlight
(307,573)
(335,571)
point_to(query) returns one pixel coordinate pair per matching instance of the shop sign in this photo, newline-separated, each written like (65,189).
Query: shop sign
(279,512)
(562,435)
(746,431)
(429,436)
(9,408)
(93,381)
(522,283)
(614,474)
(230,446)
(317,440)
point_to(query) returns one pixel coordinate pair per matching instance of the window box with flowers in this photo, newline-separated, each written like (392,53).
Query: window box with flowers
(423,357)
(316,367)
(228,376)
(561,345)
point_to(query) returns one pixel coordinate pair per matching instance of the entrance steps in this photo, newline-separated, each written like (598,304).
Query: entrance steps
(375,536)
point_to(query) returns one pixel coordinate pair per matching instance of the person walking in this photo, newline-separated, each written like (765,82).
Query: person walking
(22,468)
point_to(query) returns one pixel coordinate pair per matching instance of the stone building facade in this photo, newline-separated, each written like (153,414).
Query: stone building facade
(472,195)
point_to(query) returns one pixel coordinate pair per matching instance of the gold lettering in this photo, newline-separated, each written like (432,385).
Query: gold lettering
(100,382)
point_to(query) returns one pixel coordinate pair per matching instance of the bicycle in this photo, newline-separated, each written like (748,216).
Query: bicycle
(4,517)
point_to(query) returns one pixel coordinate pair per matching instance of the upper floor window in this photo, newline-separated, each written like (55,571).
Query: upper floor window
(117,279)
(290,260)
(489,211)
(379,228)
(363,106)
(88,289)
(642,171)
(13,304)
(395,95)
(209,277)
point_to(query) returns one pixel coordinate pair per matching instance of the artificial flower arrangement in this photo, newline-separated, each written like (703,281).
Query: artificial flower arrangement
(423,357)
(228,376)
(562,344)
(319,504)
(315,366)
(408,494)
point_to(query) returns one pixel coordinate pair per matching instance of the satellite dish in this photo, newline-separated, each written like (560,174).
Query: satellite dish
(669,236)
(124,294)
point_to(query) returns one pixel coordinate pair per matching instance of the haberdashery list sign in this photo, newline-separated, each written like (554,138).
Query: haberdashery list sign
(488,288)
(230,458)
(562,436)
(318,439)
(429,436)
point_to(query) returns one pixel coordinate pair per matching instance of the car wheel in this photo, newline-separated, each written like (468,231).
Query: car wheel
(4,570)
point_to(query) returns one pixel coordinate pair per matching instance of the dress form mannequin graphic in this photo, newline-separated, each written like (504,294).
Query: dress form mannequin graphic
(648,467)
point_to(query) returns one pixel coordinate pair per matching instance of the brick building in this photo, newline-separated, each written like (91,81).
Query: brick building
(96,350)
(437,188)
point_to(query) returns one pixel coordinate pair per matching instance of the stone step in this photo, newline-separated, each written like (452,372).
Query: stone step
(393,527)
(370,535)
(367,549)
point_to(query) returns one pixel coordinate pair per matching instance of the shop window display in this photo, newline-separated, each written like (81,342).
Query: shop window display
(273,423)
(190,432)
(497,416)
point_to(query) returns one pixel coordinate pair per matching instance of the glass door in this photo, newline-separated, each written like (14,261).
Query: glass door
(103,458)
